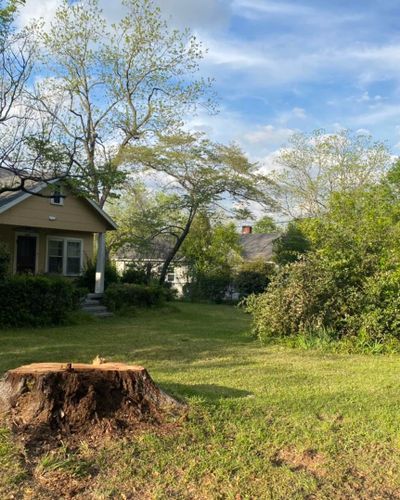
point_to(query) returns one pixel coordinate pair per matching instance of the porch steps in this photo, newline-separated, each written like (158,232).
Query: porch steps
(92,305)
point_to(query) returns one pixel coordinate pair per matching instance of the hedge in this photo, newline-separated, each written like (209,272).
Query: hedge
(36,301)
(117,296)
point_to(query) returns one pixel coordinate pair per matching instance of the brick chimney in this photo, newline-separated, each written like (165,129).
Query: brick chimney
(247,229)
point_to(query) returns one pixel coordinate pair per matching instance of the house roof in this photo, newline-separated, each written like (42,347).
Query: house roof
(258,246)
(10,199)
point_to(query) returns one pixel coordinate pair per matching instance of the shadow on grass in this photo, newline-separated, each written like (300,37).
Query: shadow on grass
(210,392)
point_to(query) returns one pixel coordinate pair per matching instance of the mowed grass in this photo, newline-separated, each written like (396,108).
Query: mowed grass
(264,422)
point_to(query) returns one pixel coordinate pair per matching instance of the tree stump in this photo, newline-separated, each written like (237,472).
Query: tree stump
(51,398)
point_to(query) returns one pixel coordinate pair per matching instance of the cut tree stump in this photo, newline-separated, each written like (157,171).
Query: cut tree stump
(52,398)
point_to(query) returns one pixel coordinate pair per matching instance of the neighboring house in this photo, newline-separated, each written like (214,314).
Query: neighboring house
(53,235)
(177,275)
(254,247)
(257,246)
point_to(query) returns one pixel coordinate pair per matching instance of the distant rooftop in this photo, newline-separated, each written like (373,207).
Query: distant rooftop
(258,246)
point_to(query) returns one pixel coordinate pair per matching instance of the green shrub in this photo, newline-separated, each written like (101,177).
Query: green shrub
(291,245)
(136,274)
(119,296)
(88,278)
(211,287)
(253,277)
(36,300)
(4,261)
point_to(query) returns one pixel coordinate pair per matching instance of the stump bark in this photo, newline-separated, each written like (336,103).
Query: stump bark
(52,398)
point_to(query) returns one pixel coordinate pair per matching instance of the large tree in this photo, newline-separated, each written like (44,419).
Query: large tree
(201,175)
(29,152)
(313,166)
(111,85)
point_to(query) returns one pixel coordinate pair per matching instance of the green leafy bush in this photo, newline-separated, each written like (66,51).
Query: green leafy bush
(125,295)
(88,278)
(4,261)
(36,300)
(211,287)
(253,277)
(348,284)
(291,245)
(136,274)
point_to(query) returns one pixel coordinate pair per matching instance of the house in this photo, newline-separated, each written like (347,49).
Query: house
(50,230)
(254,247)
(152,261)
(257,246)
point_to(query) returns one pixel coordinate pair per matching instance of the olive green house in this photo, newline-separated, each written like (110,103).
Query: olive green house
(50,230)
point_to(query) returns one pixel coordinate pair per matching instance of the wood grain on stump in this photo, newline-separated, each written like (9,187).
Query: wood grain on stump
(48,398)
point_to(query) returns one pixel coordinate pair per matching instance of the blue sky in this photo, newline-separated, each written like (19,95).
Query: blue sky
(284,66)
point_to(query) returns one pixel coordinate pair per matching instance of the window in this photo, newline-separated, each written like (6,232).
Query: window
(73,257)
(64,256)
(56,256)
(57,198)
(171,274)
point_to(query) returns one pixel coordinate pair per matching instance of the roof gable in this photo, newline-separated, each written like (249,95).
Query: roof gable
(9,200)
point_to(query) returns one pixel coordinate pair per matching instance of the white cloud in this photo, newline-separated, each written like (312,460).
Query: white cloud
(271,7)
(34,9)
(377,115)
(269,135)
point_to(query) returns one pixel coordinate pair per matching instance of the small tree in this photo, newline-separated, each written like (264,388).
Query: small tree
(200,174)
(265,225)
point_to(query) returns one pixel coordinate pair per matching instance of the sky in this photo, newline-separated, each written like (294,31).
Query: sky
(287,66)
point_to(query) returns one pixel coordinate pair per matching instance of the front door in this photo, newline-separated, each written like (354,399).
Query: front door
(26,254)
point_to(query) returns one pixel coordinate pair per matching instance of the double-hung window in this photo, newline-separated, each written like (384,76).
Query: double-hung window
(64,256)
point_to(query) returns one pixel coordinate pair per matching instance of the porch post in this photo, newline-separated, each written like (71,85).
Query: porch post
(101,263)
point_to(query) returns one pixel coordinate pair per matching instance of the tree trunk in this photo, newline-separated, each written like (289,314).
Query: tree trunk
(176,247)
(45,399)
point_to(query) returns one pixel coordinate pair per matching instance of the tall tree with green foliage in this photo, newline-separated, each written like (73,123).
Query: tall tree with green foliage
(110,86)
(202,174)
(313,166)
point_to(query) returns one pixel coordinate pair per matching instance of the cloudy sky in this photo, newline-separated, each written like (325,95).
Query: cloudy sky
(281,66)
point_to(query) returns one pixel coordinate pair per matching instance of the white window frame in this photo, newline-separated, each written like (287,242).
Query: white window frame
(65,241)
(52,200)
(171,273)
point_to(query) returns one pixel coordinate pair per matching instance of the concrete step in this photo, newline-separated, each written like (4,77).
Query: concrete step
(94,309)
(92,305)
(91,302)
(94,295)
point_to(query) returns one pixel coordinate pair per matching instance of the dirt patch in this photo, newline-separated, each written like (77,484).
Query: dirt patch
(46,403)
(308,460)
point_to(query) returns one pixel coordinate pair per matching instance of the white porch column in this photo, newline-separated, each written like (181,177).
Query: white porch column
(101,263)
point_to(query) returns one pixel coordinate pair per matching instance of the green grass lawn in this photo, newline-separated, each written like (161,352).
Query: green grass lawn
(265,422)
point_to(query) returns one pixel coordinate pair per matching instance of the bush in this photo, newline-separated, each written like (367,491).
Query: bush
(253,277)
(36,300)
(4,261)
(291,245)
(119,296)
(211,287)
(136,274)
(88,277)
(305,296)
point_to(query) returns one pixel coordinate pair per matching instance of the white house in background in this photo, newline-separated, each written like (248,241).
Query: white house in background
(254,247)
(54,233)
(177,275)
